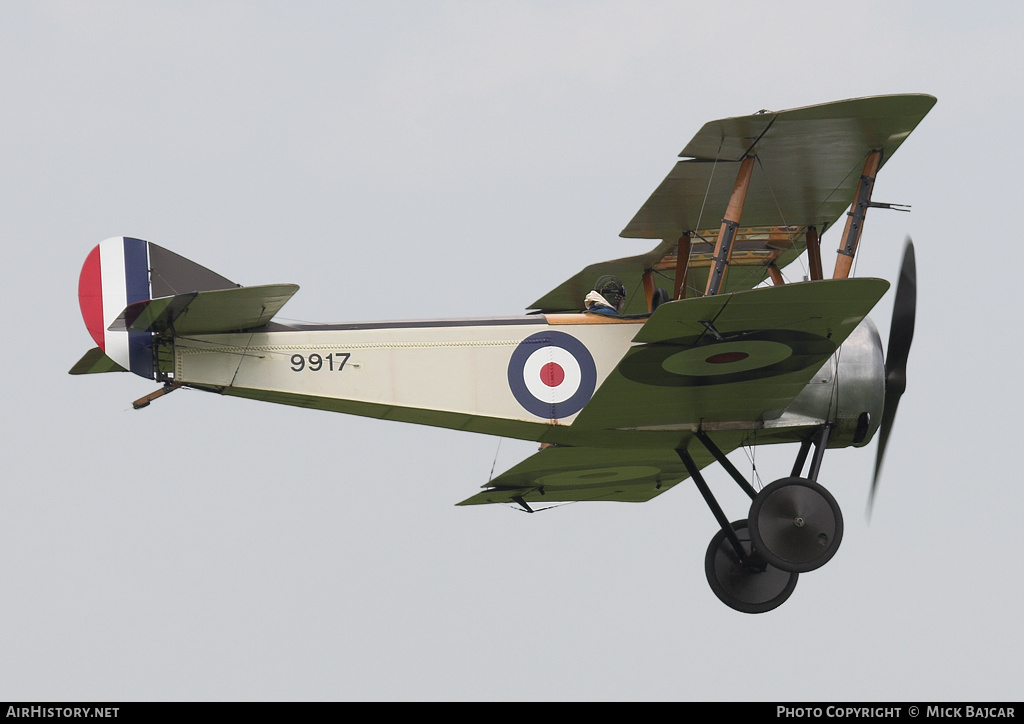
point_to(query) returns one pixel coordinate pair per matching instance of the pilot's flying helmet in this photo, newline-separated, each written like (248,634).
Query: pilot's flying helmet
(611,288)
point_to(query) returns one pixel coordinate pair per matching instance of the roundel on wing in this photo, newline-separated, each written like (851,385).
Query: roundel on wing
(552,375)
(750,355)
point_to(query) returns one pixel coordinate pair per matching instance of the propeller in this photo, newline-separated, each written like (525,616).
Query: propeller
(901,332)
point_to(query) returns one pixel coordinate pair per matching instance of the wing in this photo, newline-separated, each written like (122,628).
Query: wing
(728,364)
(568,296)
(559,474)
(808,166)
(736,359)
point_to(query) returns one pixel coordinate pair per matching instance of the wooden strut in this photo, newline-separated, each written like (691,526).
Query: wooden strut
(814,253)
(855,217)
(682,266)
(730,223)
(648,281)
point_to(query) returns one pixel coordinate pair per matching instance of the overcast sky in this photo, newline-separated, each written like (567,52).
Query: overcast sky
(439,159)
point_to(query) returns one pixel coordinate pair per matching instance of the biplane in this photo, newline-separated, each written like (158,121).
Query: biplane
(713,350)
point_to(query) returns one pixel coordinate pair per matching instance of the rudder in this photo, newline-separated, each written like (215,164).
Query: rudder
(122,271)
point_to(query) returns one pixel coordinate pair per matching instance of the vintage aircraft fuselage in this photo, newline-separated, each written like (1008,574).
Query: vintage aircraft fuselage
(467,375)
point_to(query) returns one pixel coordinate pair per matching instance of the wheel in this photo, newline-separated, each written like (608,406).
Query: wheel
(796,525)
(747,588)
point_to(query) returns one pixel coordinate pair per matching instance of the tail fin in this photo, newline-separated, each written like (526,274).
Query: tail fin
(123,271)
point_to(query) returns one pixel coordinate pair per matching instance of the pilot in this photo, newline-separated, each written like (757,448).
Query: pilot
(608,297)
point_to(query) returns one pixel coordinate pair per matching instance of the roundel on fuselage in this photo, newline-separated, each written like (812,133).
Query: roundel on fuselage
(552,375)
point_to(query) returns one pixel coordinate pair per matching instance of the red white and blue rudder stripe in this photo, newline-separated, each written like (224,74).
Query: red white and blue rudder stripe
(116,274)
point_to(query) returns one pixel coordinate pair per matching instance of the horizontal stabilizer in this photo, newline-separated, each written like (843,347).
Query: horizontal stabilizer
(95,361)
(209,312)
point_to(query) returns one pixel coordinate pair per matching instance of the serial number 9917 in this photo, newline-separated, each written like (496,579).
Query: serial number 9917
(316,362)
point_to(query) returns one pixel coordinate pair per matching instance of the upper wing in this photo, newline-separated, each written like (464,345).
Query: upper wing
(731,358)
(808,166)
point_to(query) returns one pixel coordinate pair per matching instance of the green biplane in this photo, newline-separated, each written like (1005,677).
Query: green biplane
(713,350)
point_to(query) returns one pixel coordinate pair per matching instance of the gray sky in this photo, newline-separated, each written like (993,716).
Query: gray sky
(433,159)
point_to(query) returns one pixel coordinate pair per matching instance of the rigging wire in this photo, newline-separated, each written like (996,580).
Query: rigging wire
(491,476)
(245,353)
(772,190)
(711,178)
(750,450)
(541,510)
(164,279)
(856,256)
(803,267)
(782,216)
(515,506)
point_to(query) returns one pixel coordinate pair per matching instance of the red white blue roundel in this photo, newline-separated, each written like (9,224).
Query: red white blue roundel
(552,375)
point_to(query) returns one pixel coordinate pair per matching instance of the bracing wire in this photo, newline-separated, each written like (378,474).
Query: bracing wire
(772,190)
(711,178)
(750,450)
(493,464)
(241,357)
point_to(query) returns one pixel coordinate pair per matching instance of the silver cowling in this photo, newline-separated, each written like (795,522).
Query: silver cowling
(848,391)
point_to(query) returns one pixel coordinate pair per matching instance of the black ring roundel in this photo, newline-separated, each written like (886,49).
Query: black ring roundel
(573,398)
(645,365)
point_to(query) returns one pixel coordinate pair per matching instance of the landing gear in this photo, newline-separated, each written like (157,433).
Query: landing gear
(749,584)
(796,525)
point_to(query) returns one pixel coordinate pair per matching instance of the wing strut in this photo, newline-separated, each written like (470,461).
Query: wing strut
(730,223)
(814,253)
(855,217)
(648,281)
(682,266)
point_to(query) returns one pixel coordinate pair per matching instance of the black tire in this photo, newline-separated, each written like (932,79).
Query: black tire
(743,587)
(796,524)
